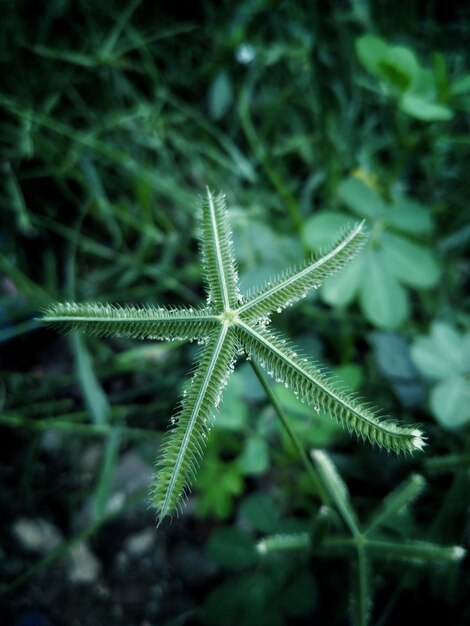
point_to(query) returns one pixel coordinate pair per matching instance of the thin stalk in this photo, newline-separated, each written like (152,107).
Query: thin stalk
(292,435)
(363,587)
(93,430)
(447,463)
(337,492)
(261,154)
(452,496)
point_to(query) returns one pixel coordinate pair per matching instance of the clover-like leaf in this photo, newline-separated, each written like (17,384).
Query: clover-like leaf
(395,260)
(442,353)
(445,355)
(403,79)
(382,297)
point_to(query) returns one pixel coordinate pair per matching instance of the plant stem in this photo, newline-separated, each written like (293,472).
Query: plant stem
(292,435)
(100,430)
(261,154)
(363,588)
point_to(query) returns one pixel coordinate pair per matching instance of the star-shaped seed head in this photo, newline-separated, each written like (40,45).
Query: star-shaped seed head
(228,324)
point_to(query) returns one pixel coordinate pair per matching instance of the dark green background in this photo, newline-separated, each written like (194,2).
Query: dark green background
(114,118)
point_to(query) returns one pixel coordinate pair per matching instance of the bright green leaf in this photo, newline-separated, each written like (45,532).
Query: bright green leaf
(371,50)
(450,402)
(424,110)
(396,66)
(382,297)
(439,355)
(323,228)
(411,263)
(409,216)
(399,67)
(218,484)
(361,198)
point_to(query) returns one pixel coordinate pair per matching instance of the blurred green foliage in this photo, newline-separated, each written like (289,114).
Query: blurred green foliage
(444,355)
(392,260)
(114,115)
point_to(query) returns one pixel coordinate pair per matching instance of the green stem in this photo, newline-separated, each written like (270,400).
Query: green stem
(447,463)
(101,430)
(292,435)
(453,495)
(261,154)
(363,587)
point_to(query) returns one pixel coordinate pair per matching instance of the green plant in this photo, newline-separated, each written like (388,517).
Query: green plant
(444,356)
(418,91)
(394,259)
(375,540)
(269,552)
(230,324)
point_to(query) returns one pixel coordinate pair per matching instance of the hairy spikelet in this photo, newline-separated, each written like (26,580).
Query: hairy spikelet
(220,272)
(227,325)
(401,497)
(295,283)
(307,381)
(148,322)
(183,448)
(283,542)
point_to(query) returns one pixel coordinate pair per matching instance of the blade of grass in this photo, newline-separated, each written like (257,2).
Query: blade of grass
(108,466)
(72,428)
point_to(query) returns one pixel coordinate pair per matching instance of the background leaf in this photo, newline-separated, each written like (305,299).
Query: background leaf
(450,402)
(361,199)
(409,216)
(220,96)
(383,299)
(123,113)
(95,397)
(440,355)
(254,458)
(423,110)
(232,548)
(340,290)
(411,263)
(323,228)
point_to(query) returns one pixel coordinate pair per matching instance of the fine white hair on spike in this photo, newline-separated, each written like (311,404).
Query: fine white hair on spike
(418,439)
(458,553)
(227,325)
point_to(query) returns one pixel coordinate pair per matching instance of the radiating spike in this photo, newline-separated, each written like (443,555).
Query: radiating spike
(292,285)
(312,385)
(147,322)
(184,444)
